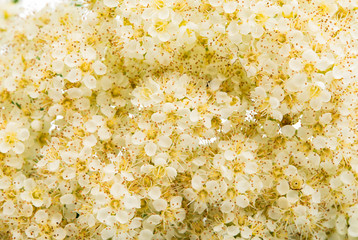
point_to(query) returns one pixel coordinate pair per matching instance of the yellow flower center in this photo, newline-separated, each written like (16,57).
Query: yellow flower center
(161,26)
(37,194)
(315,91)
(11,138)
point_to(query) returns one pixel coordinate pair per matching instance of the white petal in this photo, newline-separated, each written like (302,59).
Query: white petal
(163,13)
(164,36)
(110,3)
(57,66)
(283,187)
(5,183)
(154,193)
(150,149)
(19,148)
(160,204)
(164,141)
(23,134)
(230,7)
(104,133)
(158,117)
(194,116)
(147,13)
(288,130)
(12,127)
(8,208)
(154,219)
(227,206)
(251,168)
(74,75)
(99,68)
(175,202)
(197,182)
(4,147)
(131,202)
(122,217)
(138,138)
(242,201)
(145,234)
(171,172)
(215,3)
(69,173)
(229,155)
(89,81)
(296,64)
(67,199)
(32,231)
(53,166)
(118,190)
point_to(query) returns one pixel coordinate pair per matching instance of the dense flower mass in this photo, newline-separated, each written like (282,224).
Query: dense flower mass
(179,119)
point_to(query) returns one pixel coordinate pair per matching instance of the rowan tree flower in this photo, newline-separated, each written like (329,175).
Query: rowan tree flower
(171,119)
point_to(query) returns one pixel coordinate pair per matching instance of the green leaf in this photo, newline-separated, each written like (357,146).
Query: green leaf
(15,103)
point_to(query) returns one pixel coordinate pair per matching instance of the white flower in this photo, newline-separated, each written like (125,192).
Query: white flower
(146,95)
(34,193)
(12,138)
(155,119)
(164,30)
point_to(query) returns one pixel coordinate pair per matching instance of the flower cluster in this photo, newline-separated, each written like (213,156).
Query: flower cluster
(179,119)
